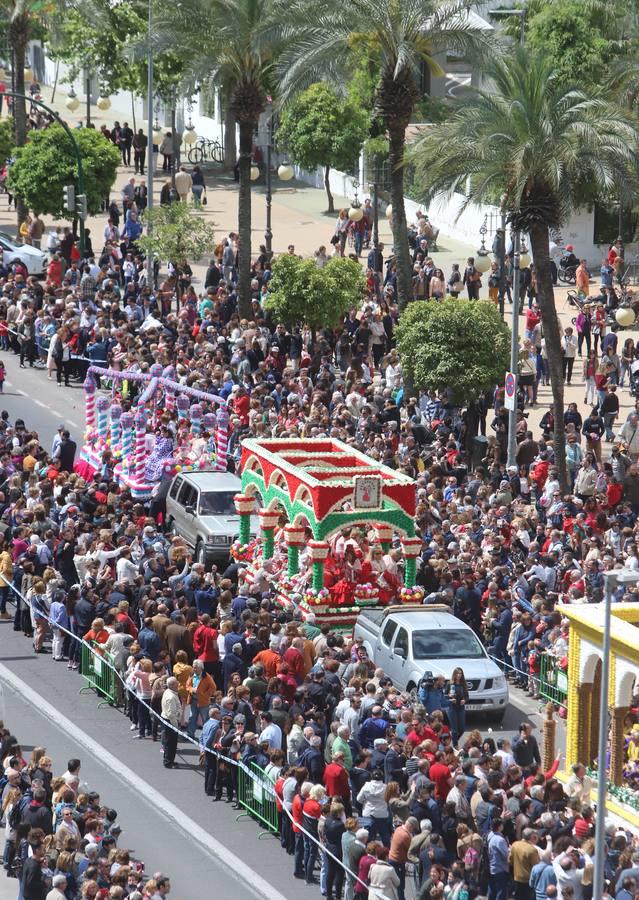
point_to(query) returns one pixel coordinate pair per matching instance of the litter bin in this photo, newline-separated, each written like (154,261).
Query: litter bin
(479,448)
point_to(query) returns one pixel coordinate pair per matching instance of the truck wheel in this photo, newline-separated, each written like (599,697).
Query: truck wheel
(200,553)
(170,527)
(411,690)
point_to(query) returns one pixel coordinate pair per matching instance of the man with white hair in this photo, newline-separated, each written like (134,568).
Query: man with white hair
(58,887)
(356,849)
(171,711)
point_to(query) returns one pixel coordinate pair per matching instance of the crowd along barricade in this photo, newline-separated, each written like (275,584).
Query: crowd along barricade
(255,793)
(258,792)
(553,680)
(97,669)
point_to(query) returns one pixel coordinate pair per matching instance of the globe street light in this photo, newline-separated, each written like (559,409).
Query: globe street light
(72,101)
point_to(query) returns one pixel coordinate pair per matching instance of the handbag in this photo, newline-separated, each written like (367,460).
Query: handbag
(335,239)
(204,200)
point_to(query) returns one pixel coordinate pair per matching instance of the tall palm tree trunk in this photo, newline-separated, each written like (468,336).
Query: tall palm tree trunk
(19,38)
(539,239)
(244,217)
(396,134)
(230,121)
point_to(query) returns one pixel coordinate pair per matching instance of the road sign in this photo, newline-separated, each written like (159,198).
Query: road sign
(510,390)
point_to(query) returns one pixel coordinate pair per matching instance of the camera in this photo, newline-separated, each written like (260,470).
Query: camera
(428,681)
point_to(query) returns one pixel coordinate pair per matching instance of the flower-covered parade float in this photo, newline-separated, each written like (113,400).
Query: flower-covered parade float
(126,433)
(337,529)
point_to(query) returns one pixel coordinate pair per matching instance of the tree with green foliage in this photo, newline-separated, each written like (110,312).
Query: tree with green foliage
(93,35)
(461,345)
(241,57)
(7,140)
(404,38)
(176,233)
(47,163)
(301,292)
(570,33)
(539,142)
(318,128)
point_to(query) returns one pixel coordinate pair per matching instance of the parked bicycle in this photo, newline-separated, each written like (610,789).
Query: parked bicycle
(206,150)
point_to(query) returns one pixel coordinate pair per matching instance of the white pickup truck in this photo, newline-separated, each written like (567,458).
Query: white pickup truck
(408,641)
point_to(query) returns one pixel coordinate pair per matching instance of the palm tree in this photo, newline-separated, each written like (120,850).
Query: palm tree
(405,36)
(231,43)
(549,148)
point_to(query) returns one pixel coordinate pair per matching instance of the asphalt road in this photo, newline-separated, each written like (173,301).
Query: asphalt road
(28,394)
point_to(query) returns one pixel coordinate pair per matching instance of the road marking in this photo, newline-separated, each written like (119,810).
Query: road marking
(232,864)
(40,403)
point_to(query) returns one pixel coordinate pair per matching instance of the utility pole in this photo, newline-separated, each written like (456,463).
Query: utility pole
(88,85)
(375,205)
(514,356)
(268,234)
(501,259)
(150,161)
(174,144)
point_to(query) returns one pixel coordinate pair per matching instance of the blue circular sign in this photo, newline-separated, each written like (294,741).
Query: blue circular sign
(510,385)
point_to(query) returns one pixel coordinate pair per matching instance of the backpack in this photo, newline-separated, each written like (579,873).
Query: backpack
(15,815)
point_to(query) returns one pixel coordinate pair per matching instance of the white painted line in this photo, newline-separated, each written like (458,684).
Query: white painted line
(232,864)
(40,403)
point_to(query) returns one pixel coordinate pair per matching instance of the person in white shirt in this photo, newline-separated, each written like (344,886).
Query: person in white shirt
(569,351)
(126,570)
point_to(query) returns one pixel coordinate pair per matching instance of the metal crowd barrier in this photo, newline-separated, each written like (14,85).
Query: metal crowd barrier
(255,794)
(553,680)
(97,669)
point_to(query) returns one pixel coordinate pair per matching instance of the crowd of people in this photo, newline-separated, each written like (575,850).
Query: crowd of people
(62,842)
(390,786)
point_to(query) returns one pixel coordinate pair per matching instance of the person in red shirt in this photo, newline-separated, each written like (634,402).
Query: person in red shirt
(297,812)
(124,617)
(269,660)
(206,649)
(439,774)
(336,781)
(241,404)
(294,658)
(288,684)
(421,732)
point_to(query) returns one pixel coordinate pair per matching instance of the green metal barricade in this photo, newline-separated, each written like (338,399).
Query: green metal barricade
(553,680)
(255,794)
(97,670)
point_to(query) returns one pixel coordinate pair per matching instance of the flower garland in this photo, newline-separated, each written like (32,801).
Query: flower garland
(316,598)
(241,552)
(411,595)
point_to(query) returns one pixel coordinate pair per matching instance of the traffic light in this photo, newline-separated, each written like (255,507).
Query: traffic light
(69,198)
(81,205)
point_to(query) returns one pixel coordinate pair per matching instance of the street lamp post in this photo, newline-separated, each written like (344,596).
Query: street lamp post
(375,205)
(612,580)
(88,86)
(268,233)
(149,139)
(76,150)
(514,354)
(502,265)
